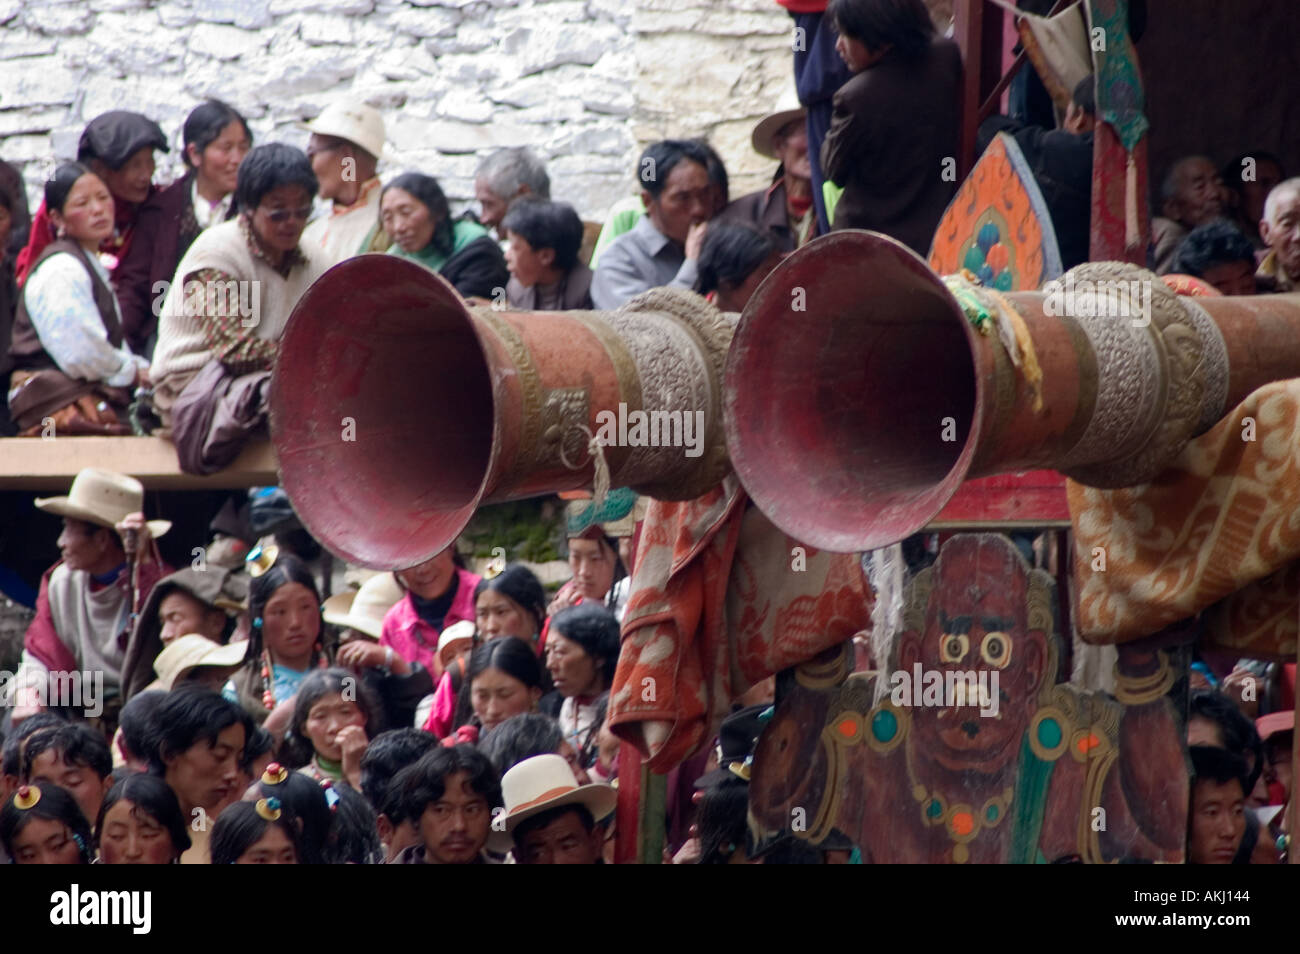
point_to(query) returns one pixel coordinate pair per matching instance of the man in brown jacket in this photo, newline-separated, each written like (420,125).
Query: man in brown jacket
(893,140)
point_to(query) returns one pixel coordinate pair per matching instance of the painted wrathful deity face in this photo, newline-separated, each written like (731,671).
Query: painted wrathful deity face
(976,624)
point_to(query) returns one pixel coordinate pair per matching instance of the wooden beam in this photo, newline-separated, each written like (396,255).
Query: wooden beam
(32,463)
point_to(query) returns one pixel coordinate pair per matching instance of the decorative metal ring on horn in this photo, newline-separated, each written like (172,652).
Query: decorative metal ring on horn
(396,410)
(862,388)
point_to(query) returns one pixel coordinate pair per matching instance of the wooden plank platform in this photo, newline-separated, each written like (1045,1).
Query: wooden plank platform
(32,463)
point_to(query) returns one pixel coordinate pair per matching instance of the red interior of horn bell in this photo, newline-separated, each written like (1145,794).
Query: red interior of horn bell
(836,415)
(382,351)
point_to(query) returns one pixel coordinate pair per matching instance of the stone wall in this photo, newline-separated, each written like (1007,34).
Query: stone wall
(585,82)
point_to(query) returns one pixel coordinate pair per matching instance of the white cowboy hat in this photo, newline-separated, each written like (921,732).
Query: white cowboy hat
(364,609)
(103,498)
(541,783)
(787,110)
(458,632)
(351,120)
(191,651)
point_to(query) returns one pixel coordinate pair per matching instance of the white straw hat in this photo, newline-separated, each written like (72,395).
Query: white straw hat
(103,498)
(354,121)
(787,111)
(190,652)
(461,631)
(541,783)
(364,609)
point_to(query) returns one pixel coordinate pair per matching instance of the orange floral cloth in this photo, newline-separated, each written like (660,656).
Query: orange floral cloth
(721,599)
(1221,524)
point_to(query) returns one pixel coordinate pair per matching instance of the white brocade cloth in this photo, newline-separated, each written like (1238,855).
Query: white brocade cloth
(61,303)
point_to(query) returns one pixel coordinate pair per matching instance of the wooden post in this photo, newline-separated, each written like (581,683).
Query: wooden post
(978,31)
(654,798)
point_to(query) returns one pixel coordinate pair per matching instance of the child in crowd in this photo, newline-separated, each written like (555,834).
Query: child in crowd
(42,825)
(256,833)
(74,757)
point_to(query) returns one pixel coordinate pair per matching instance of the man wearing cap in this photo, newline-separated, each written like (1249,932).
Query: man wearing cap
(198,602)
(118,147)
(83,611)
(550,818)
(346,142)
(784,210)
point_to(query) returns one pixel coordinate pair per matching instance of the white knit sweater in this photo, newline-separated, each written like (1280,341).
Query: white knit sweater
(182,348)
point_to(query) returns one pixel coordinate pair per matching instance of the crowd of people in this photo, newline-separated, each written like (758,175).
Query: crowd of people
(435,715)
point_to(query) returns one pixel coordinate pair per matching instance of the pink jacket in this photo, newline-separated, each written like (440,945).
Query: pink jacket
(415,640)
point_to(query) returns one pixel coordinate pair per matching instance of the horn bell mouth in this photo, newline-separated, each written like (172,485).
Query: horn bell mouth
(851,393)
(383,412)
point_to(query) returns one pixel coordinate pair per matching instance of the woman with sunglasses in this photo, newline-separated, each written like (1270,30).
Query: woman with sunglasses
(236,286)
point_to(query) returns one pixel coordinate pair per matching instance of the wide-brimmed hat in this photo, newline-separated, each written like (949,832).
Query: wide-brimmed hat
(449,643)
(103,498)
(190,652)
(787,110)
(541,783)
(364,609)
(351,120)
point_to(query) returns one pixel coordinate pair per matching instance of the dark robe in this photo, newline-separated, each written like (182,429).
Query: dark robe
(764,211)
(164,229)
(893,129)
(477,269)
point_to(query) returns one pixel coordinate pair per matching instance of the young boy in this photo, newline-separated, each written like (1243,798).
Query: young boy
(545,274)
(1218,810)
(73,757)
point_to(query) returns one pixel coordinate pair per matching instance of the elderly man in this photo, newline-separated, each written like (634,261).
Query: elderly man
(784,210)
(1280,229)
(346,142)
(503,177)
(662,249)
(83,613)
(1191,195)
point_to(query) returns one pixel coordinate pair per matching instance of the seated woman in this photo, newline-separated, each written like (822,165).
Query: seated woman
(140,823)
(73,372)
(581,654)
(216,139)
(285,643)
(42,825)
(232,296)
(511,604)
(504,680)
(545,274)
(734,260)
(414,211)
(117,146)
(439,592)
(334,719)
(256,833)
